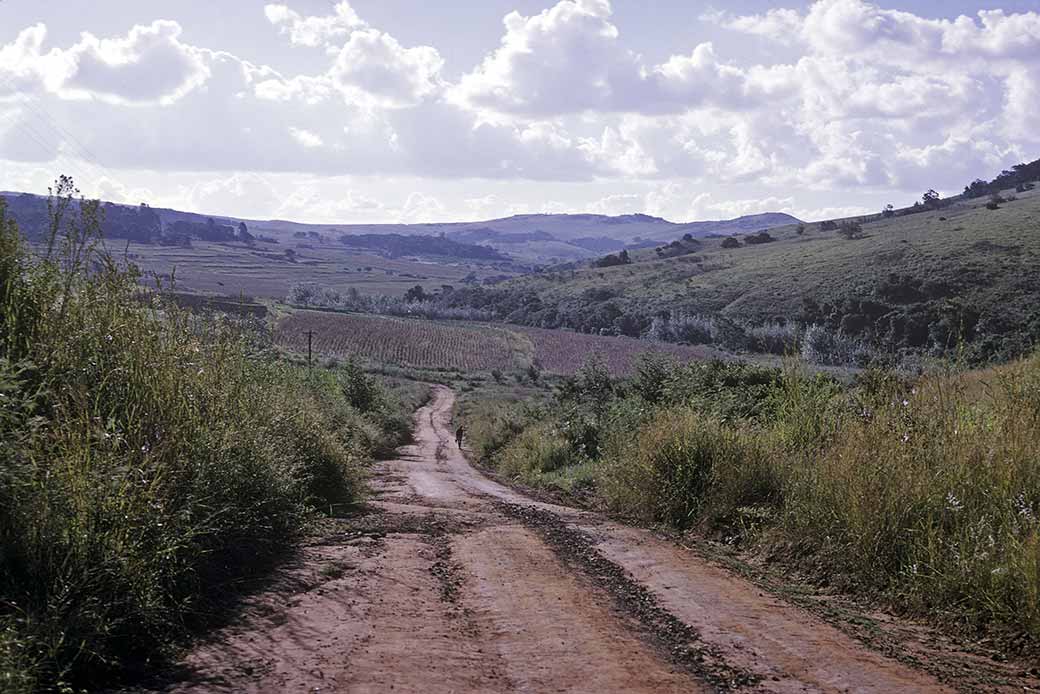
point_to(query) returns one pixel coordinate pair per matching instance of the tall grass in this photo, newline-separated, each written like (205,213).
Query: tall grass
(926,491)
(151,462)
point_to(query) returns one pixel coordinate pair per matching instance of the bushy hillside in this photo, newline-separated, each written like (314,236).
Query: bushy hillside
(924,282)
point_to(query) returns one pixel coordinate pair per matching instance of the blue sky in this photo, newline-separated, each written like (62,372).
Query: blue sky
(397,110)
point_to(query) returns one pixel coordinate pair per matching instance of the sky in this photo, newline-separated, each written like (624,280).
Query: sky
(416,111)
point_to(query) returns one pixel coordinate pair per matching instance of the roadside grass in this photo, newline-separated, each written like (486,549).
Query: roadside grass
(153,461)
(923,490)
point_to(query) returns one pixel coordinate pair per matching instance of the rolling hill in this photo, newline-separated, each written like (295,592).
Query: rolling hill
(920,280)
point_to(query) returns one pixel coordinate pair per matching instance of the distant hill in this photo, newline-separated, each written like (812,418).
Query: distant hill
(541,239)
(740,225)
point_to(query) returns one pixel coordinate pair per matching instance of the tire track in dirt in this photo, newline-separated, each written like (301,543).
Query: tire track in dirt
(447,581)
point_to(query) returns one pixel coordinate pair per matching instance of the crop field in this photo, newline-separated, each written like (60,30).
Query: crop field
(403,341)
(465,346)
(264,270)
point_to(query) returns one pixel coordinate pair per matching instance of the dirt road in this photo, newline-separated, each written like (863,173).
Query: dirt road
(451,582)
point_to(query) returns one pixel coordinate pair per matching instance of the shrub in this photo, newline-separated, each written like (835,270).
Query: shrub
(851,230)
(730,242)
(682,465)
(539,449)
(760,237)
(150,461)
(823,346)
(935,495)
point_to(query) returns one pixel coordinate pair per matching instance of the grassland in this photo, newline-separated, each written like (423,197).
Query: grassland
(920,281)
(923,493)
(464,346)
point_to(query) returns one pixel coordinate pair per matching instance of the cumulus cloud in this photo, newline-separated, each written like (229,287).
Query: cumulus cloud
(377,65)
(148,65)
(569,58)
(862,98)
(22,69)
(314,31)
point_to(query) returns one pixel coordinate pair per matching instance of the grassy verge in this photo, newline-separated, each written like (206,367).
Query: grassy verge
(925,491)
(152,460)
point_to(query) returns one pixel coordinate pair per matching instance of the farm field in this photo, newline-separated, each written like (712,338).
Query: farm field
(264,270)
(465,346)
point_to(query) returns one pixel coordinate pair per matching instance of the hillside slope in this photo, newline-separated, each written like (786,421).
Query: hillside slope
(919,281)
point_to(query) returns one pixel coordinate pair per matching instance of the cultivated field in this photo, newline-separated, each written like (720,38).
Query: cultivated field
(464,346)
(264,270)
(406,342)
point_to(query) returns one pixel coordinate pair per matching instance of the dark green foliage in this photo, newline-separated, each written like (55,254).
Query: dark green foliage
(613,260)
(759,238)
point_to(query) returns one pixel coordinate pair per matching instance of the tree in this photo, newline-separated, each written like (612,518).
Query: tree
(416,294)
(621,258)
(730,242)
(931,199)
(851,229)
(889,211)
(829,225)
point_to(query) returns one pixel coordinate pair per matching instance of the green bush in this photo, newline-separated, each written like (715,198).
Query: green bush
(935,495)
(151,462)
(683,467)
(538,449)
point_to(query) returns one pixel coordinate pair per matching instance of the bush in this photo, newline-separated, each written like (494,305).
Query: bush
(935,495)
(823,346)
(151,461)
(760,237)
(851,230)
(682,465)
(730,242)
(539,449)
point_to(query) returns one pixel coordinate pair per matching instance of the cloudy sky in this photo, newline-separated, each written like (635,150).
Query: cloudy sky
(410,110)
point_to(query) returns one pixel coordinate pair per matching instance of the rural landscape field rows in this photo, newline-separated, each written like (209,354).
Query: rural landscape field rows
(465,346)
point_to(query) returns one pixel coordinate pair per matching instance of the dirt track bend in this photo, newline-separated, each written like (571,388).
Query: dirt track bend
(451,582)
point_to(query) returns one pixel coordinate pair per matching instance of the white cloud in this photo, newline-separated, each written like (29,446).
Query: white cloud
(306,138)
(314,31)
(148,65)
(377,65)
(778,24)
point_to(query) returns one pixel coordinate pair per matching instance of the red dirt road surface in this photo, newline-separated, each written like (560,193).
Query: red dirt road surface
(451,582)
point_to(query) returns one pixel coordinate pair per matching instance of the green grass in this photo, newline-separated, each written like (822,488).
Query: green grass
(154,460)
(923,491)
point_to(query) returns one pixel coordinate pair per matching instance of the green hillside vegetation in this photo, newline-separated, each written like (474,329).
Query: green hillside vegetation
(961,275)
(153,459)
(923,492)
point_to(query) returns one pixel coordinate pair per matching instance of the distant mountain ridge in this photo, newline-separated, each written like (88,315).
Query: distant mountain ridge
(538,238)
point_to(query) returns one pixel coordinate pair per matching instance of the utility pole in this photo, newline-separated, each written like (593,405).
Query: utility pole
(310,340)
